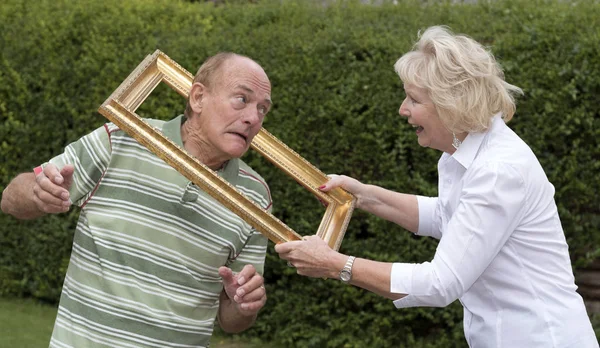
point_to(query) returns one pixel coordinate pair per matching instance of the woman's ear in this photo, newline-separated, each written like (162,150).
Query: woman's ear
(196,97)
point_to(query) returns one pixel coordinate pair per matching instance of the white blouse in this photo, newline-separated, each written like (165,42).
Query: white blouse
(502,249)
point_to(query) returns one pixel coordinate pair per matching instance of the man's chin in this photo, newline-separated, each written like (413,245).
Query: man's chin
(237,152)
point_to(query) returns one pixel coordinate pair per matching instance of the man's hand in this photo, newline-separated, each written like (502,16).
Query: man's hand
(51,189)
(29,196)
(245,289)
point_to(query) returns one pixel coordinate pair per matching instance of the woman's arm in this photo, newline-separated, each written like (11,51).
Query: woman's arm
(396,207)
(490,208)
(314,258)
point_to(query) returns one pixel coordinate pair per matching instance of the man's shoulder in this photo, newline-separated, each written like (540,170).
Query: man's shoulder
(154,122)
(112,128)
(245,171)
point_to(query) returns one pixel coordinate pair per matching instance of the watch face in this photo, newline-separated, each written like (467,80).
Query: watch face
(345,276)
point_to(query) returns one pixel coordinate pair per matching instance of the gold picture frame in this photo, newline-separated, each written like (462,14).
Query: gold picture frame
(120,109)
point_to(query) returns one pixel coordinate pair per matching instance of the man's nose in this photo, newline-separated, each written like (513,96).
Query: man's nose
(251,116)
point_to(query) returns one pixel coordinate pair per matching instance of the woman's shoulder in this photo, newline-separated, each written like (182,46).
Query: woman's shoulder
(506,154)
(503,145)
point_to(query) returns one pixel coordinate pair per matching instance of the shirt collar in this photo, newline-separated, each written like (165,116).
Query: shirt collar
(230,170)
(466,152)
(172,130)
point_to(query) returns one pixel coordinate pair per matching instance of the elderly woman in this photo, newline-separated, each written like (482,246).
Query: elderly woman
(502,250)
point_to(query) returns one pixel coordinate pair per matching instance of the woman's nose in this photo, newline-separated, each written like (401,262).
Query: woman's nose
(403,111)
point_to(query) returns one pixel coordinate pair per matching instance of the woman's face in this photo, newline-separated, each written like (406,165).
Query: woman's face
(420,111)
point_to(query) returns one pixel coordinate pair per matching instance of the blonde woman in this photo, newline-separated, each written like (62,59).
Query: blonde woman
(502,250)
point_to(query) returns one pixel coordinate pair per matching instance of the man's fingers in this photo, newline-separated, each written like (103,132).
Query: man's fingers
(253,301)
(254,306)
(52,173)
(47,186)
(252,296)
(50,208)
(254,282)
(226,274)
(67,173)
(48,195)
(43,195)
(248,272)
(67,170)
(62,177)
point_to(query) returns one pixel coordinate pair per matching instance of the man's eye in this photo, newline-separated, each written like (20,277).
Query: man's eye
(262,110)
(242,99)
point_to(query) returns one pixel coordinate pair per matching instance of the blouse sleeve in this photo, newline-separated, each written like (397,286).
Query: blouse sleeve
(429,220)
(490,208)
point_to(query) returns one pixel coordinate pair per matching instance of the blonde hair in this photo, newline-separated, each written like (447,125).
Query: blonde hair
(463,79)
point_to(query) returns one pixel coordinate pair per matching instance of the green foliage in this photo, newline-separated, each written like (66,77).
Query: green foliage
(336,99)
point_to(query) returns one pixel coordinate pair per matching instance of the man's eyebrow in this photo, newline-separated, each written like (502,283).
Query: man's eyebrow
(250,91)
(245,88)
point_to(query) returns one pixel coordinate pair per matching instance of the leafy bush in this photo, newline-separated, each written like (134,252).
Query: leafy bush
(336,100)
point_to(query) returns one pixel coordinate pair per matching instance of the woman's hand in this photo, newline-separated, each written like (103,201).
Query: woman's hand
(349,184)
(312,257)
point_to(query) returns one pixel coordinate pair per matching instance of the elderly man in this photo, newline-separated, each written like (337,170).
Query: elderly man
(155,259)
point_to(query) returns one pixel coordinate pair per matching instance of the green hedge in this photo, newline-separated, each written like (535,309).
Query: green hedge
(336,99)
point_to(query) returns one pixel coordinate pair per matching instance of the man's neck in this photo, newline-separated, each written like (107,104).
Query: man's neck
(199,149)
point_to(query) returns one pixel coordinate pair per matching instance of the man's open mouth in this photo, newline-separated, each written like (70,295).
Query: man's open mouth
(241,135)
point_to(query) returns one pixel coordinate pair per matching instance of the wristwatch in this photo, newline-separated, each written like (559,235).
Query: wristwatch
(346,272)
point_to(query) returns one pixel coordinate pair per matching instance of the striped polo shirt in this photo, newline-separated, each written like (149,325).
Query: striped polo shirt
(148,244)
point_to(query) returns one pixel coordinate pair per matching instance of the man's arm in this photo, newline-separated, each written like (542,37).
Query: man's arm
(29,196)
(230,319)
(242,297)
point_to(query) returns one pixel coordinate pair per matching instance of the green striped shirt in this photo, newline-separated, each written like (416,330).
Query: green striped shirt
(148,245)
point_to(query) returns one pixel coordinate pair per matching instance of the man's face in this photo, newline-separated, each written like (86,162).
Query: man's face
(233,109)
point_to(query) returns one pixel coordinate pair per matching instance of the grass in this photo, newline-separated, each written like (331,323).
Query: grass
(26,323)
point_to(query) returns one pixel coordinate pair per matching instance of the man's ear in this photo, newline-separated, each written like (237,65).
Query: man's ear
(196,96)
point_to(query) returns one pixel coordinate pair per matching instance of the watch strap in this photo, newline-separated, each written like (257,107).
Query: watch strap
(347,269)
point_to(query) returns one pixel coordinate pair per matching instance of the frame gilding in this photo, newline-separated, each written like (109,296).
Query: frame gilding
(120,109)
